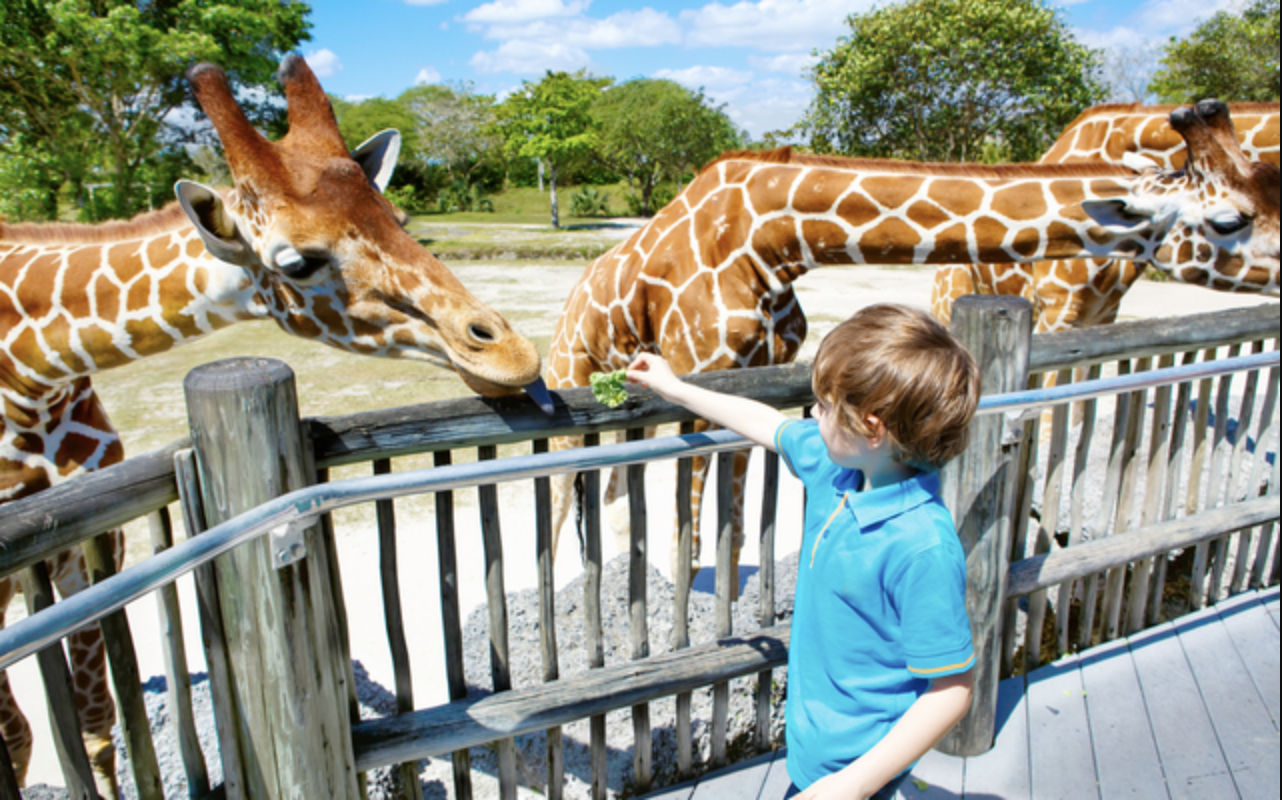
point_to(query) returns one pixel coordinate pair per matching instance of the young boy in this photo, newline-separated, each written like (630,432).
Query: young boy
(880,655)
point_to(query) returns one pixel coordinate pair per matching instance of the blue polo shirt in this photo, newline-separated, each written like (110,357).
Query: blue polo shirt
(880,606)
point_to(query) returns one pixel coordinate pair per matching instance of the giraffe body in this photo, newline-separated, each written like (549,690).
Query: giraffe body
(304,238)
(707,283)
(1078,293)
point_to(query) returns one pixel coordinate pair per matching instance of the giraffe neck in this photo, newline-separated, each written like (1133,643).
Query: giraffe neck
(73,303)
(793,217)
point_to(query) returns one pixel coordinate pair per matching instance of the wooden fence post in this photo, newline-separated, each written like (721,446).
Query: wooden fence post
(289,665)
(979,487)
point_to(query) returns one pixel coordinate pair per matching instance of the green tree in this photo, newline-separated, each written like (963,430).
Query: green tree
(652,129)
(551,120)
(455,128)
(935,80)
(88,85)
(1229,57)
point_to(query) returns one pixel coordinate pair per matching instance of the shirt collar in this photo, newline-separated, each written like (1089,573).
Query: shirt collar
(878,505)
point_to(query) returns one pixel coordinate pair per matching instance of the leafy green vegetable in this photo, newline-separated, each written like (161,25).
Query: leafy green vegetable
(607,387)
(920,784)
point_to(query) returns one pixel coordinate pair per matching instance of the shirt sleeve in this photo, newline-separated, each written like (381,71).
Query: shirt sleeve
(801,446)
(931,597)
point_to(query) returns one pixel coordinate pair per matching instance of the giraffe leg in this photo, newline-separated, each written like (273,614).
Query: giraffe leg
(13,724)
(740,478)
(562,489)
(88,660)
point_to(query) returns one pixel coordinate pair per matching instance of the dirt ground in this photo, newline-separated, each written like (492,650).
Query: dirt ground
(145,401)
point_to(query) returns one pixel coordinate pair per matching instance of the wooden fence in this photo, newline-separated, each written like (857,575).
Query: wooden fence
(1185,468)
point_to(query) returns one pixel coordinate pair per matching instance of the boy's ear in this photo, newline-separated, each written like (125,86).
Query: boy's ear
(876,429)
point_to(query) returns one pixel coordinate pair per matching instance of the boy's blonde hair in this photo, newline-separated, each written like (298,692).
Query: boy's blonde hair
(900,365)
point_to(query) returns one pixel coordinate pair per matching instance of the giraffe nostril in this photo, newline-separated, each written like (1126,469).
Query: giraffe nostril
(482,333)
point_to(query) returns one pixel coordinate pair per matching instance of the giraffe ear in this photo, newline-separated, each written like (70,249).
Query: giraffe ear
(205,209)
(377,156)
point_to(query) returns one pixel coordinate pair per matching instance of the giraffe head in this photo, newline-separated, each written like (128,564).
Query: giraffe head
(1216,222)
(326,251)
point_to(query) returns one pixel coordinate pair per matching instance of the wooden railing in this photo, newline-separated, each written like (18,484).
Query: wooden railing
(1121,576)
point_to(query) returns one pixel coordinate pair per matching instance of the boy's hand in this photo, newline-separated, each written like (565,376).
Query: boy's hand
(653,372)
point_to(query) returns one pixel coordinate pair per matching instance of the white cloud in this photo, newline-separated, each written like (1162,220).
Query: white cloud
(721,83)
(530,58)
(511,12)
(1175,17)
(427,75)
(644,28)
(777,26)
(794,64)
(324,62)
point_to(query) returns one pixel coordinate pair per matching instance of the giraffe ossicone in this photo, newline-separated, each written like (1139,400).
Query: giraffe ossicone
(708,282)
(304,238)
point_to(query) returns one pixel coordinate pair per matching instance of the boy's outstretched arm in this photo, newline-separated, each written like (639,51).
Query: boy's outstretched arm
(754,421)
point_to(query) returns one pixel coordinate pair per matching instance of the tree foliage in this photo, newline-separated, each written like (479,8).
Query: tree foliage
(552,121)
(87,87)
(937,80)
(1231,57)
(455,128)
(651,129)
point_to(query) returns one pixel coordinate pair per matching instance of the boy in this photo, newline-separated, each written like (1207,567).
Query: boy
(880,656)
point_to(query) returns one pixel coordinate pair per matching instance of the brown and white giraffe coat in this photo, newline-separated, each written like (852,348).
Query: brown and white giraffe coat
(707,283)
(304,238)
(1084,292)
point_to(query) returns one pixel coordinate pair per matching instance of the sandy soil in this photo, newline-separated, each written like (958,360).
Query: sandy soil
(531,295)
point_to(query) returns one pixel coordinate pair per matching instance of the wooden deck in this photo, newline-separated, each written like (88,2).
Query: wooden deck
(1185,710)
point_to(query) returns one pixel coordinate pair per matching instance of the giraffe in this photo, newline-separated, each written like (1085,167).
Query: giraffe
(304,238)
(708,282)
(1081,293)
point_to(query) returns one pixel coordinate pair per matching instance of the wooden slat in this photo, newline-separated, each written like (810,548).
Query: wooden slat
(1178,452)
(1077,515)
(1003,770)
(471,722)
(1092,614)
(1233,454)
(726,583)
(547,618)
(496,603)
(744,779)
(766,610)
(126,680)
(1247,571)
(1208,554)
(1243,727)
(1181,727)
(174,653)
(393,620)
(451,624)
(1021,516)
(681,601)
(1060,759)
(37,588)
(1047,525)
(1255,637)
(638,620)
(1123,503)
(1126,756)
(594,636)
(1154,480)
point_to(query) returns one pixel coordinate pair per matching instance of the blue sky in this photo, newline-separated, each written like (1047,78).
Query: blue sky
(750,55)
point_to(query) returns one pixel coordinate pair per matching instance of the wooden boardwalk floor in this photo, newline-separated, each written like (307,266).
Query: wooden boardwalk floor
(1188,709)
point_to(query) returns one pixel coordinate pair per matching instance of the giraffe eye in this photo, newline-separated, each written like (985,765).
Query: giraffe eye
(1228,223)
(299,266)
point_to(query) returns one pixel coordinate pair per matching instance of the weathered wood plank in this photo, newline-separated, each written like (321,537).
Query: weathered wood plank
(638,623)
(1003,770)
(1246,733)
(979,486)
(727,586)
(682,791)
(447,568)
(1126,756)
(936,776)
(744,779)
(547,617)
(1090,557)
(1077,512)
(681,600)
(1181,728)
(594,636)
(1255,637)
(1061,763)
(496,604)
(777,782)
(472,722)
(766,609)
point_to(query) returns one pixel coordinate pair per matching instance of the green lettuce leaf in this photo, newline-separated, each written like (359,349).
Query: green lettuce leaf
(607,387)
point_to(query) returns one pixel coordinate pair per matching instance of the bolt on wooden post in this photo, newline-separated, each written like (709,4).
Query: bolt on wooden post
(979,487)
(286,651)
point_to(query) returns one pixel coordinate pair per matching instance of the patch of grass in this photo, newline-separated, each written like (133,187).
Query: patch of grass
(453,238)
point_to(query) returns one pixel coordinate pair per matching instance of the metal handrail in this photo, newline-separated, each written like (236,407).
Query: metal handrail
(34,633)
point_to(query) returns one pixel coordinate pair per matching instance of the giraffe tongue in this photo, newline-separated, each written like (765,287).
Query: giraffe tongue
(538,392)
